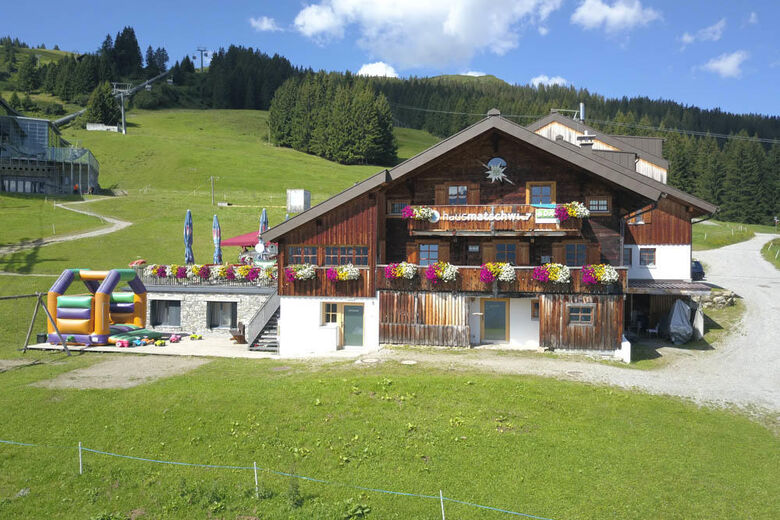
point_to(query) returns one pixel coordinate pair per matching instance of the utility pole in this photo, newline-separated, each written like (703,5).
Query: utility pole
(122,89)
(202,50)
(212,189)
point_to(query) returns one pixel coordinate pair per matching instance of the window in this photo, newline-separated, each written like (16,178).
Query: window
(506,253)
(599,204)
(166,313)
(581,315)
(395,207)
(628,256)
(647,257)
(473,248)
(329,313)
(302,255)
(576,254)
(540,192)
(429,254)
(457,195)
(343,255)
(221,315)
(535,309)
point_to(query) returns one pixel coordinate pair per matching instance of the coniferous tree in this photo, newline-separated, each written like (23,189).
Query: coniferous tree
(27,78)
(14,101)
(102,107)
(709,171)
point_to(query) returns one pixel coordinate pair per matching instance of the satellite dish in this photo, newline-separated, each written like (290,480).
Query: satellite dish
(260,247)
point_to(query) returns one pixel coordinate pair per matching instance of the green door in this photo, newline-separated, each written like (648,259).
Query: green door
(494,320)
(353,325)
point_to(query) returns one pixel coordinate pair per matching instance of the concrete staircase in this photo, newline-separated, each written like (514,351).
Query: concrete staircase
(268,340)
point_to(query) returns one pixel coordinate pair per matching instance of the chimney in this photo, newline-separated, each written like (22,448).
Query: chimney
(582,112)
(494,112)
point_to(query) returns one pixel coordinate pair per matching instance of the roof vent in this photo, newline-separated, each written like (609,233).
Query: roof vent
(586,140)
(493,112)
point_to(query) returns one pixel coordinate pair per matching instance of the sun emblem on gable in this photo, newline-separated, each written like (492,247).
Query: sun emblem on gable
(496,170)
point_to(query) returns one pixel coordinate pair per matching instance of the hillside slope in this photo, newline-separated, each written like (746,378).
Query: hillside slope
(165,163)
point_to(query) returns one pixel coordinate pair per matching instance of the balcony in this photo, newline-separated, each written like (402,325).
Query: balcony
(494,220)
(468,281)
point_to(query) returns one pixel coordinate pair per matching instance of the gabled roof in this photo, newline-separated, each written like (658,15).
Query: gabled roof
(10,111)
(625,146)
(575,155)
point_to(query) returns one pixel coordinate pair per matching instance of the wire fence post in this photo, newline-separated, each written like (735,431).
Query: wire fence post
(441,499)
(257,487)
(81,466)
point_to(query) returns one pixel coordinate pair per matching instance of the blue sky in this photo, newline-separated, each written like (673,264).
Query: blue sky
(705,53)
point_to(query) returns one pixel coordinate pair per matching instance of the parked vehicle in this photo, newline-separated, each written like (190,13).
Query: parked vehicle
(697,270)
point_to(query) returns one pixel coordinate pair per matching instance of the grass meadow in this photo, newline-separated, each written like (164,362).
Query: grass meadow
(771,252)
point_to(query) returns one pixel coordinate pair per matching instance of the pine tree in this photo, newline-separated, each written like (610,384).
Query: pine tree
(14,101)
(102,107)
(27,78)
(709,171)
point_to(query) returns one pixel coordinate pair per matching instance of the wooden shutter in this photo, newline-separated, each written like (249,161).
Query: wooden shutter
(593,254)
(441,195)
(412,252)
(488,252)
(444,251)
(472,195)
(523,253)
(558,253)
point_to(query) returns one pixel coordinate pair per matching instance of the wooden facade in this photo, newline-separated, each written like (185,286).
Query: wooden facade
(423,318)
(479,220)
(556,331)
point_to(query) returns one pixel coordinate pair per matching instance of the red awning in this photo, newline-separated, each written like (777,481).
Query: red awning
(245,240)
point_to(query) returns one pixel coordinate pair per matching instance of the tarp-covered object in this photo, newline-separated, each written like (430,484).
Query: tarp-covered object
(679,319)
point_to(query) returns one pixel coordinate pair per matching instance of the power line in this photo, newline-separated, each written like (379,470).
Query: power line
(697,133)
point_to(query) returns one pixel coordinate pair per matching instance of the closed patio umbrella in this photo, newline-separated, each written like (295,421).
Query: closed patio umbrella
(216,234)
(189,258)
(263,228)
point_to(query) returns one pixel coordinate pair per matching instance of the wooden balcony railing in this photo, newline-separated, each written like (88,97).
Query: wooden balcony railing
(468,281)
(510,219)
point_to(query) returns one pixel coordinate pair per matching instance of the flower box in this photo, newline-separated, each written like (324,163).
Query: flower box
(342,273)
(555,273)
(441,272)
(497,271)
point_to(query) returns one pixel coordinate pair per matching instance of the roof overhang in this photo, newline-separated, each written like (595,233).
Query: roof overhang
(667,287)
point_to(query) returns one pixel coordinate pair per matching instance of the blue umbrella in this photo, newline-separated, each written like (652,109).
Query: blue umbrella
(189,258)
(216,234)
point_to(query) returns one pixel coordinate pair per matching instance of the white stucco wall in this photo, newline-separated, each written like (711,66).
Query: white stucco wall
(523,331)
(301,332)
(672,262)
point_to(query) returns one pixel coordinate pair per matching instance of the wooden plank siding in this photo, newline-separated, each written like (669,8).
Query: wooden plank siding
(669,223)
(423,318)
(468,281)
(351,225)
(604,334)
(451,227)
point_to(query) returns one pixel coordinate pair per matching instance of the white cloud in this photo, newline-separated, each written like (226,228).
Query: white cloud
(544,79)
(378,68)
(753,18)
(543,30)
(264,24)
(727,65)
(712,33)
(435,33)
(474,73)
(622,15)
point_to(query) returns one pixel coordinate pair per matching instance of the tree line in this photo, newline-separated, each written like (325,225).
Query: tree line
(340,117)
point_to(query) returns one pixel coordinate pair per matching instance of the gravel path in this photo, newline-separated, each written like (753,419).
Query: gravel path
(115,224)
(744,370)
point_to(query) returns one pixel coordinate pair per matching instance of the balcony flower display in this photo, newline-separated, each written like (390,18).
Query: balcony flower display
(201,271)
(599,273)
(400,270)
(343,273)
(441,272)
(501,271)
(556,273)
(211,273)
(300,272)
(571,209)
(418,213)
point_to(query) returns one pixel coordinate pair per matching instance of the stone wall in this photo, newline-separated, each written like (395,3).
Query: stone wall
(194,300)
(718,299)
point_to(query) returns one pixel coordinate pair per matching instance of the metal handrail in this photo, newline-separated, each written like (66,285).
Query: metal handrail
(258,322)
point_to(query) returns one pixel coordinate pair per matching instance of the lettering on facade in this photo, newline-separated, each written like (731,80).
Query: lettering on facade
(484,216)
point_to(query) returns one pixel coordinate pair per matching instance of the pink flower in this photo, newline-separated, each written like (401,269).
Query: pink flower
(160,271)
(541,274)
(390,271)
(561,213)
(230,273)
(289,274)
(253,274)
(332,274)
(204,271)
(181,272)
(589,275)
(431,274)
(486,275)
(407,212)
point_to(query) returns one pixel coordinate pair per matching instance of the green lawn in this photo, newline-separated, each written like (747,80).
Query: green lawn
(31,217)
(555,449)
(771,252)
(718,234)
(164,164)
